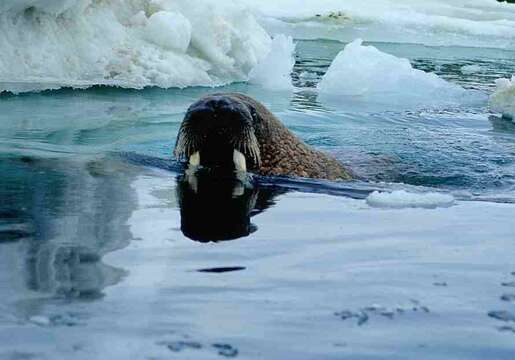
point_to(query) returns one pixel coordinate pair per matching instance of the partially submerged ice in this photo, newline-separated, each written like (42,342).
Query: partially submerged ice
(274,71)
(503,99)
(400,199)
(368,73)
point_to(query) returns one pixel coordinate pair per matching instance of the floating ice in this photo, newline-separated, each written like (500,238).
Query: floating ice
(40,320)
(471,69)
(366,72)
(274,71)
(503,99)
(167,43)
(402,199)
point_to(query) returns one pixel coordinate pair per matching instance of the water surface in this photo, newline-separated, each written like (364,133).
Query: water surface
(106,253)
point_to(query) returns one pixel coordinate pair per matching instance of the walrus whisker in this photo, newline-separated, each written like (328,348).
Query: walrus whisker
(247,144)
(253,148)
(186,145)
(182,144)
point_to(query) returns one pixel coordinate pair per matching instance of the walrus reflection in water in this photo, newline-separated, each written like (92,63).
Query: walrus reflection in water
(215,208)
(235,132)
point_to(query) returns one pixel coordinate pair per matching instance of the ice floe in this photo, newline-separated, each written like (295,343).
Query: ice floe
(503,99)
(400,199)
(471,69)
(365,72)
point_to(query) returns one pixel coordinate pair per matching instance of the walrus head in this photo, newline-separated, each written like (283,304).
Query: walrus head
(218,132)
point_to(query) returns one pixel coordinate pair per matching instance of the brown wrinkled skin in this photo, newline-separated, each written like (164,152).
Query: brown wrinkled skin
(282,153)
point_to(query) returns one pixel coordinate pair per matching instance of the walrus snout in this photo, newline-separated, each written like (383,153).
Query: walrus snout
(217,132)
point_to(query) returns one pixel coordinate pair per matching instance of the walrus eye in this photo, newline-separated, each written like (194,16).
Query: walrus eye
(240,163)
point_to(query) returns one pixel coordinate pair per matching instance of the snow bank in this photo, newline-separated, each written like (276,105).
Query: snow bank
(364,71)
(127,43)
(482,23)
(503,99)
(402,199)
(274,71)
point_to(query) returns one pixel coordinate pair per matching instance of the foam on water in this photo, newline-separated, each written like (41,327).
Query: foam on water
(400,199)
(503,99)
(134,44)
(366,72)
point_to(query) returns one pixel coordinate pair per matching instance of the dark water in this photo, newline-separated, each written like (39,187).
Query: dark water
(106,252)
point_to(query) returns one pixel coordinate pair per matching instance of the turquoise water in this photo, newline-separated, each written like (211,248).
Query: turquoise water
(458,147)
(94,264)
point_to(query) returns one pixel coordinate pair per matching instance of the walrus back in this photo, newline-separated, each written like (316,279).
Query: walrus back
(283,153)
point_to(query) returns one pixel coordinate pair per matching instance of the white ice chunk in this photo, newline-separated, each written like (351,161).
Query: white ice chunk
(402,199)
(366,72)
(503,99)
(470,69)
(274,71)
(40,320)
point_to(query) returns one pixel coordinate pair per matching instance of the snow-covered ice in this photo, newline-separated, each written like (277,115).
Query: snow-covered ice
(79,43)
(477,23)
(400,199)
(169,43)
(471,69)
(503,99)
(365,72)
(274,71)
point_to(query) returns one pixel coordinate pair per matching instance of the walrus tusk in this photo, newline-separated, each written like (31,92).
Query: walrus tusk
(239,161)
(195,159)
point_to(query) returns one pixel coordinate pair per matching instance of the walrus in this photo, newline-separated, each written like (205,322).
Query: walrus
(235,132)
